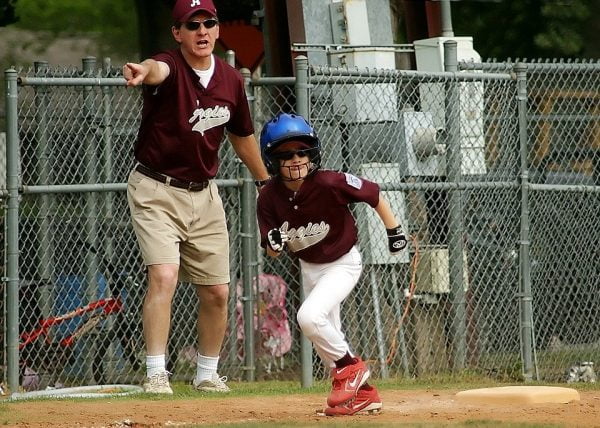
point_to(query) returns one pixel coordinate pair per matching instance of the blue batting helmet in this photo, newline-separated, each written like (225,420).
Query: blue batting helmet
(285,127)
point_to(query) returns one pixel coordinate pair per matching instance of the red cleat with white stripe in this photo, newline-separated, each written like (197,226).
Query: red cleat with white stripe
(367,401)
(346,382)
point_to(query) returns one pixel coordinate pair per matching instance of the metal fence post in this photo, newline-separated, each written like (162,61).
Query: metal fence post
(91,205)
(107,175)
(12,229)
(379,334)
(46,249)
(455,209)
(107,161)
(234,263)
(303,109)
(249,256)
(525,296)
(230,58)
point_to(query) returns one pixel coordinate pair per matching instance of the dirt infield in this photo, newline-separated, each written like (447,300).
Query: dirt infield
(430,408)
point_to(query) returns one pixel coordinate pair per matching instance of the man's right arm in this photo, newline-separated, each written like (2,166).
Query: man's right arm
(149,71)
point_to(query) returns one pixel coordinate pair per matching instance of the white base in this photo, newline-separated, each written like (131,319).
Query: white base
(518,395)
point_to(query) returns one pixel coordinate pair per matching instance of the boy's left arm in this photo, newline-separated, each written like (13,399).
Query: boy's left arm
(396,238)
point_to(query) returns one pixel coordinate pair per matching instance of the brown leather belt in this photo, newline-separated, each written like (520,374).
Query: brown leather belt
(188,185)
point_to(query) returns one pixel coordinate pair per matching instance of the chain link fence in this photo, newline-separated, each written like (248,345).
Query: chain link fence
(493,172)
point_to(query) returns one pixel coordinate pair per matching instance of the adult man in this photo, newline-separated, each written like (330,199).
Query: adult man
(190,98)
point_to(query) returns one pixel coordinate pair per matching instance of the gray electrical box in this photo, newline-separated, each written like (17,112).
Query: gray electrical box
(430,57)
(341,22)
(433,271)
(422,145)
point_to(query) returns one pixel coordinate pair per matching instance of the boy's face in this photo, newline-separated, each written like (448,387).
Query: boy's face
(294,162)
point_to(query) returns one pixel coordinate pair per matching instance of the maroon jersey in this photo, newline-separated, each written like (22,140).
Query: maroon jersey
(317,218)
(183,123)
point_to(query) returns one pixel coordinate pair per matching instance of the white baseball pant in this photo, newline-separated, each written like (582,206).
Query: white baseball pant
(326,285)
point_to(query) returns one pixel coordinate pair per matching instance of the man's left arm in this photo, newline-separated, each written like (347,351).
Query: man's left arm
(247,150)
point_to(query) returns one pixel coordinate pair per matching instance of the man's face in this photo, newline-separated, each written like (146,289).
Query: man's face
(195,36)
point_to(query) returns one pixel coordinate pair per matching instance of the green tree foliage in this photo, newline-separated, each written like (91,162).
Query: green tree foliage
(115,22)
(500,28)
(112,22)
(563,32)
(525,28)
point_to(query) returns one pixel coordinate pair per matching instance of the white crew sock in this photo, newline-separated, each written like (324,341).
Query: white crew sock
(155,364)
(205,367)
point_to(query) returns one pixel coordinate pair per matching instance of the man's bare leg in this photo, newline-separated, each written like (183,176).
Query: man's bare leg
(156,318)
(212,324)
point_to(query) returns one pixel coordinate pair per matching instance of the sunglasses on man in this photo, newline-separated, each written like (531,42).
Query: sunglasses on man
(195,25)
(290,154)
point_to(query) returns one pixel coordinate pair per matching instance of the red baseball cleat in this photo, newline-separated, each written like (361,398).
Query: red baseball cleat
(346,382)
(366,400)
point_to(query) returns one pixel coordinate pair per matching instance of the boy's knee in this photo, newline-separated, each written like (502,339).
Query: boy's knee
(309,321)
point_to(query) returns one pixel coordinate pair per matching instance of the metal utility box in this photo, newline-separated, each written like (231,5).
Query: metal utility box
(332,146)
(433,271)
(422,145)
(429,53)
(412,142)
(366,102)
(430,57)
(339,22)
(353,24)
(372,57)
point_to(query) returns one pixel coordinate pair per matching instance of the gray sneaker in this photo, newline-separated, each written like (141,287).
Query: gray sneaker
(215,384)
(158,384)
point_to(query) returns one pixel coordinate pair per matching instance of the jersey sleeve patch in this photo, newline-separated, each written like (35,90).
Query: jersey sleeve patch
(353,181)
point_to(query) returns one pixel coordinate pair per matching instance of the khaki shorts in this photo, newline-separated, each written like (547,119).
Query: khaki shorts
(177,226)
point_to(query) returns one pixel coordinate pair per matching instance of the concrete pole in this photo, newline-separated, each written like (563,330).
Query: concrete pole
(446,19)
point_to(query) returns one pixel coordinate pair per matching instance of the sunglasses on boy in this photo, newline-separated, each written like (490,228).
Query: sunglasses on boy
(195,25)
(290,154)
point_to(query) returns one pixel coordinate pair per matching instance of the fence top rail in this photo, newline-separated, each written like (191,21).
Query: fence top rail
(273,81)
(71,81)
(573,188)
(463,185)
(549,67)
(343,48)
(394,75)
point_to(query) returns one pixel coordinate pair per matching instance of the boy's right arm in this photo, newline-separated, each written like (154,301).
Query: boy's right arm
(275,242)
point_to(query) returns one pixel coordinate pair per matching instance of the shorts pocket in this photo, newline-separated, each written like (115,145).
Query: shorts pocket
(141,190)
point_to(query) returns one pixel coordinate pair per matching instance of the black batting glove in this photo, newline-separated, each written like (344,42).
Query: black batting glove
(276,240)
(396,240)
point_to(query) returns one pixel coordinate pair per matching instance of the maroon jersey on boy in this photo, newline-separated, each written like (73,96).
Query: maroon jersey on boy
(183,123)
(317,218)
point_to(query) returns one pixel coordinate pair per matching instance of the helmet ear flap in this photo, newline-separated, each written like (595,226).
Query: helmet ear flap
(272,165)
